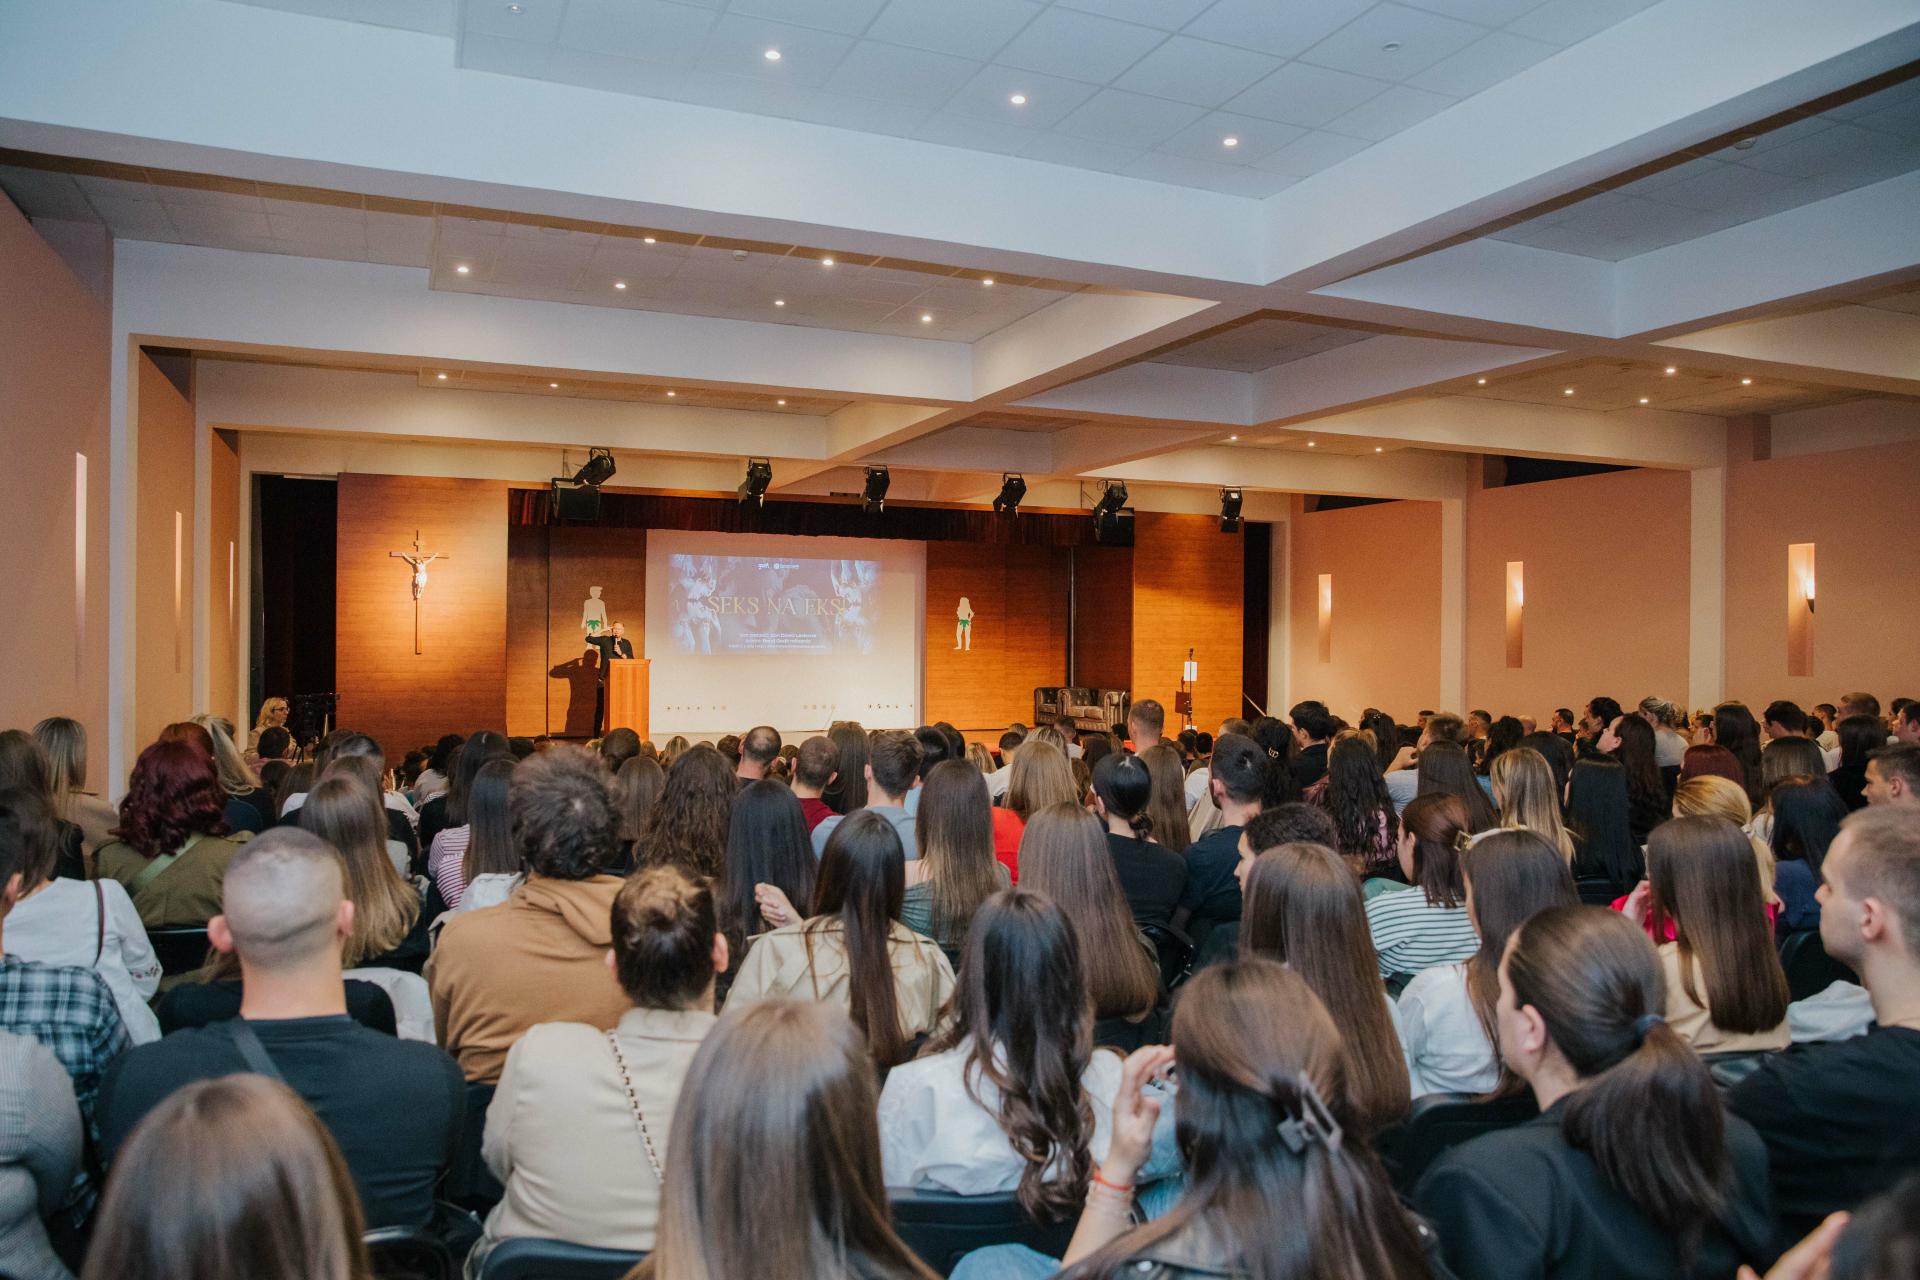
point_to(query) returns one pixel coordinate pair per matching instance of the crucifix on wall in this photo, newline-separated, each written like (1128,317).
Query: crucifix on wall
(419,560)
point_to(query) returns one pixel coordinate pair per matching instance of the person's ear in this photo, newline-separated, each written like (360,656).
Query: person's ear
(220,935)
(1533,1034)
(1873,920)
(1095,803)
(613,963)
(1218,791)
(10,892)
(868,769)
(722,954)
(343,919)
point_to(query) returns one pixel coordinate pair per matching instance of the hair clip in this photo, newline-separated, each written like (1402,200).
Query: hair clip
(1643,1026)
(1314,1123)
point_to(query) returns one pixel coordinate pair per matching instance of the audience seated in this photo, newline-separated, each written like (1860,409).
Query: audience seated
(1599,818)
(1726,992)
(1781,759)
(170,848)
(1710,759)
(1402,775)
(1152,876)
(767,853)
(361,754)
(250,805)
(891,771)
(446,812)
(1011,1095)
(1445,769)
(65,742)
(1629,739)
(1806,818)
(687,827)
(467,810)
(956,870)
(1448,1023)
(580,1127)
(477,864)
(1238,787)
(1352,790)
(1423,922)
(853,951)
(395,1107)
(389,927)
(437,776)
(1716,797)
(538,956)
(1734,728)
(1041,777)
(1527,797)
(636,790)
(814,770)
(1632,1169)
(229,1179)
(1064,855)
(847,790)
(40,1148)
(1295,823)
(1834,1116)
(1168,805)
(1893,774)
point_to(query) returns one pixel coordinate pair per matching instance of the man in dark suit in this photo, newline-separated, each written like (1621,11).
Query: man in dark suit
(612,643)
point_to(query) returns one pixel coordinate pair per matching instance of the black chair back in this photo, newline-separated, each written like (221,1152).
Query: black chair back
(1810,970)
(408,1253)
(1174,950)
(943,1228)
(1596,891)
(527,1258)
(1440,1121)
(179,948)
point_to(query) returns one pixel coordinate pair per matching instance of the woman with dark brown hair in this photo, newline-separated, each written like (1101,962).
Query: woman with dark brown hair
(767,852)
(1633,1169)
(1726,991)
(1423,922)
(688,825)
(956,870)
(636,789)
(1303,908)
(1629,739)
(1735,729)
(853,951)
(1447,1017)
(1445,768)
(229,1179)
(170,850)
(1151,875)
(1064,855)
(1041,776)
(1354,792)
(848,789)
(448,809)
(1168,805)
(774,1167)
(1012,1095)
(389,930)
(1269,1136)
(25,765)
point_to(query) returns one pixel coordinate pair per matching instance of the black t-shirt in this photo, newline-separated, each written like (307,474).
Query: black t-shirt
(1838,1120)
(1523,1203)
(1212,895)
(1151,875)
(396,1107)
(201,1004)
(1309,766)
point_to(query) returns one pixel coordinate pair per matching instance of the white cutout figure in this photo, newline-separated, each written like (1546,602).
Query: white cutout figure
(963,625)
(593,613)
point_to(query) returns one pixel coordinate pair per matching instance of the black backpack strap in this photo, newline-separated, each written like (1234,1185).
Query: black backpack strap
(247,1041)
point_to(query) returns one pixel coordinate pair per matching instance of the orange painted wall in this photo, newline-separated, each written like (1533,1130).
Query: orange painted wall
(1019,599)
(1385,562)
(227,597)
(458,684)
(1606,591)
(1188,592)
(53,403)
(163,633)
(1857,507)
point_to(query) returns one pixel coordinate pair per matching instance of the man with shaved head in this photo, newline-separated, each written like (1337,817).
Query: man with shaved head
(396,1107)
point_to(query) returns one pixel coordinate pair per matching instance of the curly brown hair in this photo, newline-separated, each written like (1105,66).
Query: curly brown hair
(688,825)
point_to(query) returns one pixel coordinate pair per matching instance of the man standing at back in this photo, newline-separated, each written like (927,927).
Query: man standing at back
(1212,895)
(759,749)
(396,1107)
(892,771)
(1146,724)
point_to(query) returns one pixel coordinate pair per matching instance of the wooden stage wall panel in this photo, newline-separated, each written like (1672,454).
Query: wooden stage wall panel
(615,560)
(1188,591)
(1103,617)
(1019,599)
(527,630)
(458,684)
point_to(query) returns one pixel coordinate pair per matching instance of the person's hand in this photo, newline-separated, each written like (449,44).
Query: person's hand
(775,907)
(1402,759)
(1809,1259)
(1638,904)
(1135,1112)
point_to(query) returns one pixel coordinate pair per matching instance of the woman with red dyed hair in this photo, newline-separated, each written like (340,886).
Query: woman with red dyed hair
(170,849)
(1710,760)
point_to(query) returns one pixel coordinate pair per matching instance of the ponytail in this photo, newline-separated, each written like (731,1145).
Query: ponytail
(1648,1112)
(1142,824)
(1125,787)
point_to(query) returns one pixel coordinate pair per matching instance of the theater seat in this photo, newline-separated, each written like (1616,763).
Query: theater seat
(1810,970)
(1174,950)
(943,1228)
(1441,1121)
(528,1258)
(408,1253)
(179,948)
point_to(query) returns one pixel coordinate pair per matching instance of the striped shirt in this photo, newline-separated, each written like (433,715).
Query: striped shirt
(446,862)
(1411,936)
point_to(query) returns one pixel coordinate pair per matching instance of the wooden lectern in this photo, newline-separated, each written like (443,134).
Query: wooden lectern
(627,695)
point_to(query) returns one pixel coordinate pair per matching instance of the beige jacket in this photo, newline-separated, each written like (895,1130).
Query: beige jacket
(777,968)
(1695,1024)
(561,1134)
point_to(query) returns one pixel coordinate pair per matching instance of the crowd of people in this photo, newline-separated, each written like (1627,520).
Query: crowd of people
(1178,996)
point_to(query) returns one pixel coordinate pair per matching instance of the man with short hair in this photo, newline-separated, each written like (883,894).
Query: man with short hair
(814,769)
(1294,823)
(758,750)
(1837,1117)
(275,744)
(1001,778)
(1146,724)
(396,1107)
(893,770)
(1907,726)
(1403,783)
(1858,704)
(1212,895)
(1196,785)
(1829,717)
(1600,713)
(1312,727)
(1562,724)
(1783,719)
(537,957)
(1893,777)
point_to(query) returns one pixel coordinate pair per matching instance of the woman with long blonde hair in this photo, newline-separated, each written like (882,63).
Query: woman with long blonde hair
(345,812)
(1710,796)
(65,742)
(1523,791)
(237,777)
(1041,776)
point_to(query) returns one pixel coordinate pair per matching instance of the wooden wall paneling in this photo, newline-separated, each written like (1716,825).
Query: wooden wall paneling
(527,630)
(1038,582)
(458,682)
(1188,588)
(1103,617)
(579,557)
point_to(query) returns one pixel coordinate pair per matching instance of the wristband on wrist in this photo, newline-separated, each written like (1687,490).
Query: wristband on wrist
(1125,1188)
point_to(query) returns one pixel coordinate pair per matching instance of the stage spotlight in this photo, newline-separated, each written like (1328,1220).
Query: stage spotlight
(597,470)
(759,479)
(873,498)
(1112,498)
(1112,519)
(1230,510)
(1013,487)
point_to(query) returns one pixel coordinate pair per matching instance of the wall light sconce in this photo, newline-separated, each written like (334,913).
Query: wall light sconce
(1326,617)
(1516,610)
(1800,598)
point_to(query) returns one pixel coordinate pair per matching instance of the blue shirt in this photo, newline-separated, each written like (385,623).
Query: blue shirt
(902,820)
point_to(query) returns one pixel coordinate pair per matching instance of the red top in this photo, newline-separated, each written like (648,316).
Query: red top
(815,811)
(1620,904)
(1007,829)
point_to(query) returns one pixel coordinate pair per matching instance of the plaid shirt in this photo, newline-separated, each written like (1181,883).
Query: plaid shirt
(70,1011)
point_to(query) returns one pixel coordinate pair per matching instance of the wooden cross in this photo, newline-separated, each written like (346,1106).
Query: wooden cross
(419,560)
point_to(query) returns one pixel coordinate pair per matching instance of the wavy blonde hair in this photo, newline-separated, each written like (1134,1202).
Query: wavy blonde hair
(1528,801)
(1709,795)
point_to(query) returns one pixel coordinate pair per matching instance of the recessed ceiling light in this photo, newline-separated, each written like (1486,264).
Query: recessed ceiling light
(1566,391)
(1671,371)
(988,282)
(1391,46)
(1229,142)
(619,284)
(826,262)
(647,240)
(1645,400)
(1745,144)
(1746,382)
(779,302)
(926,317)
(463,269)
(1018,99)
(772,55)
(441,376)
(1479,382)
(516,8)
(554,385)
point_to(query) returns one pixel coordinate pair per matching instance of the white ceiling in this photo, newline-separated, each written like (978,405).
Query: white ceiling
(1806,159)
(1147,88)
(1262,343)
